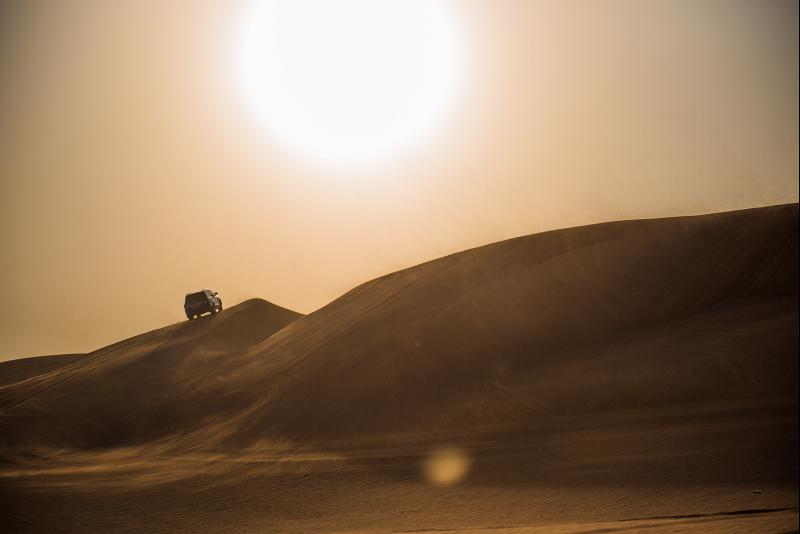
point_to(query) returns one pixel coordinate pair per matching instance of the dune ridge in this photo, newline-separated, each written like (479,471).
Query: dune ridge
(555,323)
(602,317)
(23,368)
(631,375)
(135,382)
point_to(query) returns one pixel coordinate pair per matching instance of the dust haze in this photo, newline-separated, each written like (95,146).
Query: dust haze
(132,172)
(572,308)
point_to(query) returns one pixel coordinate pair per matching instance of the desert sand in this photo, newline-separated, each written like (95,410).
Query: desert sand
(627,376)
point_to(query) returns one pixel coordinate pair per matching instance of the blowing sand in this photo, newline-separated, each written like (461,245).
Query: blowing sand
(618,377)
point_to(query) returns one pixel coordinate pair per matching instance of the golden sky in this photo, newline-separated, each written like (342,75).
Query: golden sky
(133,171)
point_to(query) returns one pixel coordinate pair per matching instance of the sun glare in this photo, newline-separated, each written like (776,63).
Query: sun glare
(349,80)
(446,466)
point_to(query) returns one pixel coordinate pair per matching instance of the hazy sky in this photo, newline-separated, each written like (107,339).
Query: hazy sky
(133,171)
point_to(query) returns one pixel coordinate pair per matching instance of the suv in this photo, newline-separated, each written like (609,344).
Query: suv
(196,304)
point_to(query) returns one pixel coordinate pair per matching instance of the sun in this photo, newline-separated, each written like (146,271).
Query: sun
(349,80)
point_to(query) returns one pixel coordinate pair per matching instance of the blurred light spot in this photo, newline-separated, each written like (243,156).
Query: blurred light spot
(446,466)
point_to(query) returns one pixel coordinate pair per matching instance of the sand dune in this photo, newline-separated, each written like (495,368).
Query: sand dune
(588,364)
(24,368)
(138,389)
(607,316)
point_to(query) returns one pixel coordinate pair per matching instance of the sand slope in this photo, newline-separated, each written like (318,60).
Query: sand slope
(607,316)
(24,368)
(636,370)
(602,317)
(138,389)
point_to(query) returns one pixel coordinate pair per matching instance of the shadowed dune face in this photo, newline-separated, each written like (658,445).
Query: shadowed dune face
(142,388)
(608,317)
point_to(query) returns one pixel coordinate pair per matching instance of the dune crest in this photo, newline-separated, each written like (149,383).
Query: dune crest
(608,317)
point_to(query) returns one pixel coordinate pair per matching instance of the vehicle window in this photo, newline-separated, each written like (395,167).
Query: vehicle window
(196,298)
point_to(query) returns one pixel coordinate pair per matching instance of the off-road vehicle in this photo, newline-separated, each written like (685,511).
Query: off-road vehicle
(196,304)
